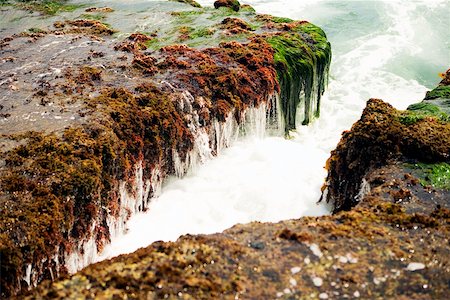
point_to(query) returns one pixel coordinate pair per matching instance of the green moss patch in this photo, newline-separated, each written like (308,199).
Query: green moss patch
(282,20)
(436,175)
(47,7)
(98,17)
(186,16)
(299,56)
(419,111)
(36,30)
(442,91)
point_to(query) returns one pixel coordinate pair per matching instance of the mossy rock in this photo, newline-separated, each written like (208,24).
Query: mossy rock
(330,255)
(47,7)
(131,104)
(420,111)
(441,91)
(422,133)
(299,55)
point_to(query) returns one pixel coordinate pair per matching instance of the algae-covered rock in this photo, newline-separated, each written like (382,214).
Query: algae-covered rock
(45,7)
(442,90)
(94,116)
(233,4)
(388,238)
(393,244)
(383,134)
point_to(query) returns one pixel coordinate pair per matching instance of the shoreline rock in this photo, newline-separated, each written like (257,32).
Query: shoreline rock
(385,135)
(391,241)
(383,247)
(112,119)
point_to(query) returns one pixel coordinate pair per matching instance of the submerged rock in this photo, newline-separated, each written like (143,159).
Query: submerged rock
(94,118)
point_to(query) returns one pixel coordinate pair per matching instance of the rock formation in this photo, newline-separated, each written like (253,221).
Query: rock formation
(389,239)
(94,118)
(389,182)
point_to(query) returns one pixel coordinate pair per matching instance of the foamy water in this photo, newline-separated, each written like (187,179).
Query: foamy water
(391,50)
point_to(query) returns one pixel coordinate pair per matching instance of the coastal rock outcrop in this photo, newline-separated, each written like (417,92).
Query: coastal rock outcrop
(94,117)
(418,137)
(388,236)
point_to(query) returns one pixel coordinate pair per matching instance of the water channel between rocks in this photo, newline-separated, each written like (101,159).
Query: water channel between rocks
(381,49)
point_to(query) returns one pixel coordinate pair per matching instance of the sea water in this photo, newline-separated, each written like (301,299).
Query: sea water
(391,50)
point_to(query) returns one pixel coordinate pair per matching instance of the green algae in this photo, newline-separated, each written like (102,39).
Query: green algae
(436,175)
(47,7)
(191,33)
(302,52)
(441,91)
(295,73)
(186,17)
(36,30)
(201,32)
(281,20)
(97,17)
(419,111)
(223,12)
(153,44)
(228,4)
(298,63)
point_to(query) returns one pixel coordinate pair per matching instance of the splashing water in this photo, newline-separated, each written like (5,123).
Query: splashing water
(391,50)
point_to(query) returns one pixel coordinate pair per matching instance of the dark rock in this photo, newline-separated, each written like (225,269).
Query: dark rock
(257,245)
(107,107)
(233,4)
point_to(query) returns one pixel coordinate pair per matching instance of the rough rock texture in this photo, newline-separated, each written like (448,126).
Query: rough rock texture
(383,135)
(82,111)
(45,7)
(388,238)
(394,243)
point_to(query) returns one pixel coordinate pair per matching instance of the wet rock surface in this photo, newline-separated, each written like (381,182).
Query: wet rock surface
(418,136)
(394,243)
(390,241)
(95,112)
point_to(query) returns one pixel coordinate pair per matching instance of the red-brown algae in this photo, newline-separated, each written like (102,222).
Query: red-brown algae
(64,179)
